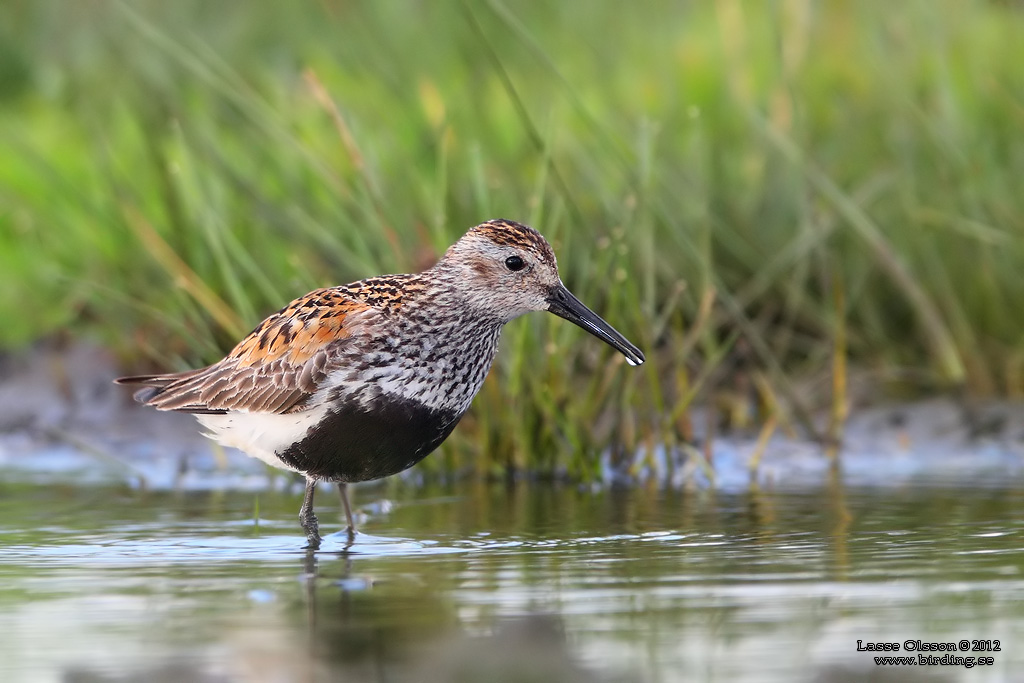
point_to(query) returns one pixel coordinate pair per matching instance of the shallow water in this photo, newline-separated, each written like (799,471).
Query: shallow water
(487,582)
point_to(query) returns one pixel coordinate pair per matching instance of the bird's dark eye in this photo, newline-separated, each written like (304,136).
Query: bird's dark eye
(515,263)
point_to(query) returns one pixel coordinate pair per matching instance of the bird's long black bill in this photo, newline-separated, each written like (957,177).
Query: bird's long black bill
(563,304)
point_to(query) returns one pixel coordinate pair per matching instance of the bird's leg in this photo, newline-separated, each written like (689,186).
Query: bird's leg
(351,529)
(306,517)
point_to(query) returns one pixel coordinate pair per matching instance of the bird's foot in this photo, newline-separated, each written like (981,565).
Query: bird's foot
(312,528)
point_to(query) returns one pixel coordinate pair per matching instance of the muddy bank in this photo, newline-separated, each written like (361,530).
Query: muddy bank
(61,418)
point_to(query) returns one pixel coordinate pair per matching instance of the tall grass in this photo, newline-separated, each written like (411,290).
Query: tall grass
(744,189)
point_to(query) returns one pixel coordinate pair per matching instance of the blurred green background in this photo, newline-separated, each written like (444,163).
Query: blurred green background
(754,192)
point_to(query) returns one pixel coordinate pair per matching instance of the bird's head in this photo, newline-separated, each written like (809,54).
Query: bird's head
(504,269)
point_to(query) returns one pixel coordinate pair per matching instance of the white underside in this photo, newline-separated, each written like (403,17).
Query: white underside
(261,435)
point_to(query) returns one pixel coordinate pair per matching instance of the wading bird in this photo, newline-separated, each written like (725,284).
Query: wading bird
(362,381)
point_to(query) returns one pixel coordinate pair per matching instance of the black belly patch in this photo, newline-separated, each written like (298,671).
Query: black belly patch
(359,444)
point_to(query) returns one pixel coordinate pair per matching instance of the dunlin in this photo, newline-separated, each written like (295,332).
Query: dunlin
(362,381)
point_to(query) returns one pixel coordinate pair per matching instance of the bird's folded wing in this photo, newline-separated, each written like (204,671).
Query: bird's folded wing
(273,370)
